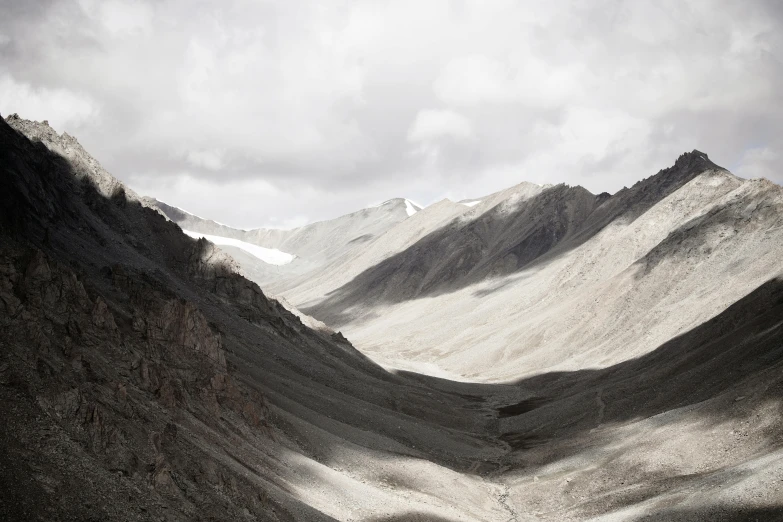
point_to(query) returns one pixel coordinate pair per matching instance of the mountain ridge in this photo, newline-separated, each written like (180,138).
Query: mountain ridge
(516,249)
(142,376)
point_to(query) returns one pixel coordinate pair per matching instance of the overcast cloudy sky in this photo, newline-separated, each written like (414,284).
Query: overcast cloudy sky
(279,113)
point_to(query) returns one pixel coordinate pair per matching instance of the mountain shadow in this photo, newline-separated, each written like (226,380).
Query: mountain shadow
(717,513)
(726,371)
(742,346)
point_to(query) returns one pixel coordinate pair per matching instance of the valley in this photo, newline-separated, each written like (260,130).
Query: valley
(540,353)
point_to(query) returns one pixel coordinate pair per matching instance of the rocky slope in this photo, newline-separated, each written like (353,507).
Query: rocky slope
(143,378)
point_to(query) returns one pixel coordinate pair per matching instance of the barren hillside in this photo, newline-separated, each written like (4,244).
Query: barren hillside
(614,357)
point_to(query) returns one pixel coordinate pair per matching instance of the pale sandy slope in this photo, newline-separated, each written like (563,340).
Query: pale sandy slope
(635,284)
(618,296)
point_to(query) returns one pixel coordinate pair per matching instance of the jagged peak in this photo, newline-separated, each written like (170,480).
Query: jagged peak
(687,166)
(33,128)
(693,162)
(84,164)
(693,158)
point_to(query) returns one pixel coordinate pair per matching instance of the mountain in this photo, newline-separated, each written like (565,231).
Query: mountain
(557,278)
(143,377)
(296,252)
(624,355)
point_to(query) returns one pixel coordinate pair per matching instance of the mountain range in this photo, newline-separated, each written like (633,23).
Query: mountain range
(540,353)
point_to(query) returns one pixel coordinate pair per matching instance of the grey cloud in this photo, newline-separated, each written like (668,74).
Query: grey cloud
(307,108)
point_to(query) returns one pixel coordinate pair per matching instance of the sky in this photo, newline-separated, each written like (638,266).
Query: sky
(261,113)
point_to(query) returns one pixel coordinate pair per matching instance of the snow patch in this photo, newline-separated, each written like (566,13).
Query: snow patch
(410,207)
(272,256)
(471,203)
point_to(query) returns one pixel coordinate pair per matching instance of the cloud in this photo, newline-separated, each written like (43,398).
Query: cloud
(761,162)
(522,78)
(432,124)
(334,105)
(208,159)
(61,107)
(119,18)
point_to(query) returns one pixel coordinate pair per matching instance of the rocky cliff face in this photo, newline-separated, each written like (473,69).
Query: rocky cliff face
(115,375)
